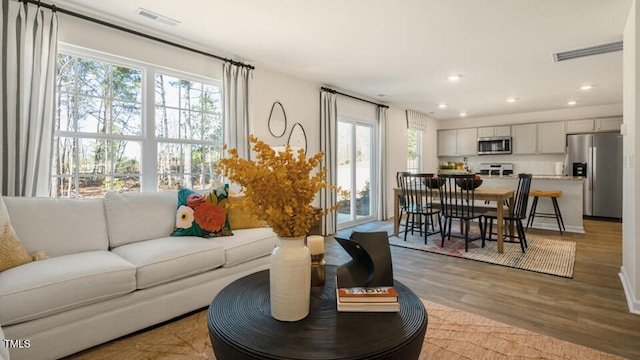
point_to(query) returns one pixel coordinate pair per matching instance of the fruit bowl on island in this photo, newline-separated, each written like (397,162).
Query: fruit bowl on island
(468,185)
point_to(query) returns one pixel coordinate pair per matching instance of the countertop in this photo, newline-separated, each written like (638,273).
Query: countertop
(537,177)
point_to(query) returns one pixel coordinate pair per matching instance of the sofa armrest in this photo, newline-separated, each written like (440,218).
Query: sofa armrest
(4,351)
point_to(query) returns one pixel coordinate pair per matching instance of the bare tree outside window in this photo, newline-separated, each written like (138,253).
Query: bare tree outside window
(100,137)
(98,128)
(414,146)
(190,132)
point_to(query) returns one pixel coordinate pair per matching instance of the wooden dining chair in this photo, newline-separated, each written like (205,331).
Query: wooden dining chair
(418,197)
(517,213)
(457,198)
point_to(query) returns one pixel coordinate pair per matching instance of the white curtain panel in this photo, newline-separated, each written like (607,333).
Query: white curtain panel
(416,120)
(328,138)
(383,130)
(28,63)
(236,91)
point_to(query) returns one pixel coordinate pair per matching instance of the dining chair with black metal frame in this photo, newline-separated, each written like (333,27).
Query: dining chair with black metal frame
(457,198)
(517,213)
(417,195)
(400,199)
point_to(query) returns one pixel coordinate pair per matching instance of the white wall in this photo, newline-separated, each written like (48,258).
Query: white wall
(570,113)
(300,100)
(630,270)
(101,38)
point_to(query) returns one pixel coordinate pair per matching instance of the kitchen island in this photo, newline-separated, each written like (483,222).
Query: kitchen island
(570,203)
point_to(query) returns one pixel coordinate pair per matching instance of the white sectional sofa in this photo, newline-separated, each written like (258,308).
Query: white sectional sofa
(113,269)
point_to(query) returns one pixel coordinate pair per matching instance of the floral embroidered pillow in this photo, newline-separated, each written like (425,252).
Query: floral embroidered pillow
(202,215)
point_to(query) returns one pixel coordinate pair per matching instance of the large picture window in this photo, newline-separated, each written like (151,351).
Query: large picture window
(110,136)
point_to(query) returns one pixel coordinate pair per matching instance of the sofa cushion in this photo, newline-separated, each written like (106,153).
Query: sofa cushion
(202,215)
(12,253)
(166,259)
(136,217)
(53,225)
(247,244)
(54,285)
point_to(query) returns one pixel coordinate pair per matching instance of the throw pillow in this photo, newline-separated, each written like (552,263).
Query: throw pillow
(202,215)
(238,217)
(12,253)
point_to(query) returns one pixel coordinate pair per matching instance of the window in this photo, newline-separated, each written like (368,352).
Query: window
(356,167)
(189,129)
(414,149)
(110,137)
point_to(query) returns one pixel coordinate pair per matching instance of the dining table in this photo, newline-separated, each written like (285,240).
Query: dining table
(499,196)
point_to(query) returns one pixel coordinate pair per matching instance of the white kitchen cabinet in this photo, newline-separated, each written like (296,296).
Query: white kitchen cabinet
(492,131)
(524,140)
(552,138)
(458,142)
(580,126)
(542,138)
(608,124)
(447,142)
(467,142)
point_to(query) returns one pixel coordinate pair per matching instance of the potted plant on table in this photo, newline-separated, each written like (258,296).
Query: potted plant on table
(279,189)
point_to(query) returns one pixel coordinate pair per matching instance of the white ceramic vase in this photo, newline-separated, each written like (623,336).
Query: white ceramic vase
(290,279)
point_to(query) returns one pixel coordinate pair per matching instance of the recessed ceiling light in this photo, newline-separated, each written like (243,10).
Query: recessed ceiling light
(454,77)
(586,87)
(463,114)
(512,99)
(442,106)
(571,102)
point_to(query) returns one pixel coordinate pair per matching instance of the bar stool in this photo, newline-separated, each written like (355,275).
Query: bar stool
(554,195)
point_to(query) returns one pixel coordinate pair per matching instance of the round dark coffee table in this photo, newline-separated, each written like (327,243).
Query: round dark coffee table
(241,326)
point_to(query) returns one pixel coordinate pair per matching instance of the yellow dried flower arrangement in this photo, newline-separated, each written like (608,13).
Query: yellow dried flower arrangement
(278,186)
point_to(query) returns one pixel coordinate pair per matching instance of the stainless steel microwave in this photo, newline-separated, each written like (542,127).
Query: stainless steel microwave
(494,145)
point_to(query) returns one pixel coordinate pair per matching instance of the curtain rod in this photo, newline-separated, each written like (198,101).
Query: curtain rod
(134,32)
(353,97)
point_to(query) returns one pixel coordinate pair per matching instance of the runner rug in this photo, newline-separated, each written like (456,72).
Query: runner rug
(544,255)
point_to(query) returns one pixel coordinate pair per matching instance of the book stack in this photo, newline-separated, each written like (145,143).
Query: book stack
(367,299)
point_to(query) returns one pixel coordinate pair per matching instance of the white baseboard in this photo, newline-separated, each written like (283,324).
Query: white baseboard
(573,229)
(634,304)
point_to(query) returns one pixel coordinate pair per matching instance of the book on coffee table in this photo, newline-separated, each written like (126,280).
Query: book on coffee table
(377,294)
(392,306)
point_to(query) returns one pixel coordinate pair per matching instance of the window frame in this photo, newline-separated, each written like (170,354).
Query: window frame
(148,140)
(419,136)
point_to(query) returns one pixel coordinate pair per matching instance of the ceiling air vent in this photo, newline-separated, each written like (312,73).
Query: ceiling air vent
(588,51)
(156,17)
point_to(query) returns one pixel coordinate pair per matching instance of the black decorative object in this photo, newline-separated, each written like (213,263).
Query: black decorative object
(434,182)
(298,138)
(468,185)
(277,120)
(371,264)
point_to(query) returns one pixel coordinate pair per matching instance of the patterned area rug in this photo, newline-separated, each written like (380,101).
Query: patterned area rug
(455,334)
(544,255)
(451,334)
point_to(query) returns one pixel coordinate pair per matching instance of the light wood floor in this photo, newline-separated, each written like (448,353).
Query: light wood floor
(589,310)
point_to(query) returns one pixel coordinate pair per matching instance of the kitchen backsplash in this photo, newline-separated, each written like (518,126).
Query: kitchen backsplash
(533,164)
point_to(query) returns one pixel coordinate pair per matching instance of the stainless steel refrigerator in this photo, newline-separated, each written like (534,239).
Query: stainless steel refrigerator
(597,157)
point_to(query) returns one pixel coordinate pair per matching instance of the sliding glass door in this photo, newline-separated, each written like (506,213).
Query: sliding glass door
(356,163)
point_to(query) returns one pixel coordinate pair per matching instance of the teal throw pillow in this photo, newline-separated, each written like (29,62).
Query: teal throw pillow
(202,215)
